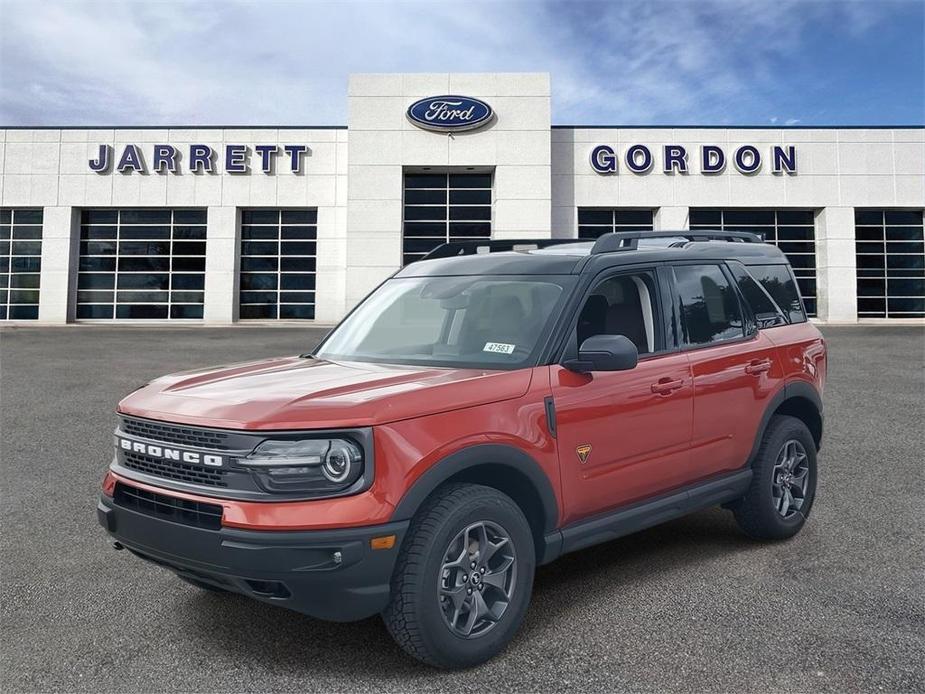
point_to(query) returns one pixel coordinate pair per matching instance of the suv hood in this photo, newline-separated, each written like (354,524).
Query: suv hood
(307,393)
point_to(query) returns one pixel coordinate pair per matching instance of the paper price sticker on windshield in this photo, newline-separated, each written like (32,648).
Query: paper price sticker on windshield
(498,348)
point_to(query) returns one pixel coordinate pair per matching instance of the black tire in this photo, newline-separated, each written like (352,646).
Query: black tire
(202,584)
(758,513)
(415,616)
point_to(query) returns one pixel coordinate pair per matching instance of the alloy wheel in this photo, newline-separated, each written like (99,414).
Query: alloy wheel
(790,478)
(477,579)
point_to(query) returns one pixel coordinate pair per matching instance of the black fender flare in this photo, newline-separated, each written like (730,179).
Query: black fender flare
(474,456)
(792,389)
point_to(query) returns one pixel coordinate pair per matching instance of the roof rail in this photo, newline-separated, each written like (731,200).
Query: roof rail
(629,240)
(613,241)
(474,247)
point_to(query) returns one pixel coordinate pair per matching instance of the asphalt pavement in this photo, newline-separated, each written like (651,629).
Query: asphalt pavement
(690,606)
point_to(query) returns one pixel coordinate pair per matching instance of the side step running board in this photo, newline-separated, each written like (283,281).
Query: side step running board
(646,514)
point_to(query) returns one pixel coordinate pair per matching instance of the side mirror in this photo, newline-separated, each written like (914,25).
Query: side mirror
(604,353)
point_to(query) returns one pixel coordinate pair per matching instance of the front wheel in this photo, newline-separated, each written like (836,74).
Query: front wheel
(463,577)
(783,485)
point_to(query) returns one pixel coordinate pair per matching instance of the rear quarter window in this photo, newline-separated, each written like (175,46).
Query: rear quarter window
(765,310)
(778,281)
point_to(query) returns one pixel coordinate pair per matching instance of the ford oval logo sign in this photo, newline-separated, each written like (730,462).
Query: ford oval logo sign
(450,113)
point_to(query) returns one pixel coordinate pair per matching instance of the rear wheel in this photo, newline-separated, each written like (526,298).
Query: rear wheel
(463,577)
(783,486)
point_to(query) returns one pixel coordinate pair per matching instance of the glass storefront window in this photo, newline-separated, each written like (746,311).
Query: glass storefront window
(278,263)
(444,207)
(595,221)
(141,264)
(890,254)
(20,263)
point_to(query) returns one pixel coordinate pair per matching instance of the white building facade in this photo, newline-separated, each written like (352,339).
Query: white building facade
(219,225)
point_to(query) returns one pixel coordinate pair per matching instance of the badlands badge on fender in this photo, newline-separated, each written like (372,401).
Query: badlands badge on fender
(583,452)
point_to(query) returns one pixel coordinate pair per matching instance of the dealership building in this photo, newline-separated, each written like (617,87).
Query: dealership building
(217,225)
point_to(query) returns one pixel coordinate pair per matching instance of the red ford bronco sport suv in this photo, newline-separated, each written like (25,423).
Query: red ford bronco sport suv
(482,412)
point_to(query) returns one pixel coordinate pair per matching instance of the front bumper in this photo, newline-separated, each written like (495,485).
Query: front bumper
(328,574)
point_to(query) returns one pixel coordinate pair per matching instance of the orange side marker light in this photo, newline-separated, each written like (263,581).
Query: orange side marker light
(384,542)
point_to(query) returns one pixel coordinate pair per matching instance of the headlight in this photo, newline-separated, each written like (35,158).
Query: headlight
(309,465)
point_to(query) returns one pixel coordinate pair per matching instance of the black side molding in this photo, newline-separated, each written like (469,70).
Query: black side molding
(648,513)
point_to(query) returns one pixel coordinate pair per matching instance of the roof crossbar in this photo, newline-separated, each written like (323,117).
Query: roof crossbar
(629,240)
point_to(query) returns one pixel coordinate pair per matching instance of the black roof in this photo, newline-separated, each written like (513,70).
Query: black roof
(568,257)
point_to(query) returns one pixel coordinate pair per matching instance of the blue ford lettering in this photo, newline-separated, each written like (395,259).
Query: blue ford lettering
(449,113)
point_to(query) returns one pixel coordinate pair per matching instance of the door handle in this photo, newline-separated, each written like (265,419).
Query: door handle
(758,366)
(666,386)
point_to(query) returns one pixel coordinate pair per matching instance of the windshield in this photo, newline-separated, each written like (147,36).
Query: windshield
(496,322)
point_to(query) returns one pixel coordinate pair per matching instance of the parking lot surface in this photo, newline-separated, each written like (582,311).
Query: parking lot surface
(689,606)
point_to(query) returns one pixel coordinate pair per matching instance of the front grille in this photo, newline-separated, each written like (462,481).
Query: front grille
(174,470)
(173,433)
(194,513)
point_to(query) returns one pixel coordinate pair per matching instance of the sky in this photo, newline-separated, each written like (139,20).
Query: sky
(646,62)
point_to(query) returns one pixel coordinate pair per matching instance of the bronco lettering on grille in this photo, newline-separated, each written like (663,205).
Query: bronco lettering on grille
(179,455)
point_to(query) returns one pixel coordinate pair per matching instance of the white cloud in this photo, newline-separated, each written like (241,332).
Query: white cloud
(287,62)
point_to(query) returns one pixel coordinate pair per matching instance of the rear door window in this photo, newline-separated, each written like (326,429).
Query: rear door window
(710,310)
